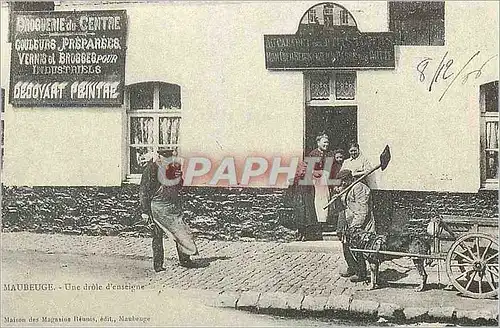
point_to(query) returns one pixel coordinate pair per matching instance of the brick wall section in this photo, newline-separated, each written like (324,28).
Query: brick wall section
(413,209)
(234,213)
(72,210)
(214,213)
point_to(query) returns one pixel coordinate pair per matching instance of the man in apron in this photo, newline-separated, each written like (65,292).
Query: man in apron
(161,202)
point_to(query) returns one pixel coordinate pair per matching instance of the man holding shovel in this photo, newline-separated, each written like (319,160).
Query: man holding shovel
(358,215)
(354,199)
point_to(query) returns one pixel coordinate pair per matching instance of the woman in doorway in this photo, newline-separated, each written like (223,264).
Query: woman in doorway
(338,155)
(321,174)
(333,214)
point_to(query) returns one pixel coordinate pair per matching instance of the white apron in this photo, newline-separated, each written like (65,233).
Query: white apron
(321,196)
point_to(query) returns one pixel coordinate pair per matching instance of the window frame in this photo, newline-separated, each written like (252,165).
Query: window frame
(486,117)
(312,16)
(344,17)
(156,113)
(329,16)
(332,100)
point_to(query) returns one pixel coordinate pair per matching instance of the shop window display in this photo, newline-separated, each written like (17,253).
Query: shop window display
(154,117)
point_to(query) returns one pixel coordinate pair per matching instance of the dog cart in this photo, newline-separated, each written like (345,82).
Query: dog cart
(472,247)
(472,257)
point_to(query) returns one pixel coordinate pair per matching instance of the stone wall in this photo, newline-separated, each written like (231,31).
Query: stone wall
(413,210)
(72,210)
(214,213)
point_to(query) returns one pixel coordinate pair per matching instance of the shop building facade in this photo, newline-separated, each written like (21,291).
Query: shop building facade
(201,78)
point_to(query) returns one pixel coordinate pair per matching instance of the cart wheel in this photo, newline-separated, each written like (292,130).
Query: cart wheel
(472,265)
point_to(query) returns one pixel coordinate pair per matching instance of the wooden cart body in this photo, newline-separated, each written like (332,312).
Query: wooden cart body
(469,245)
(472,253)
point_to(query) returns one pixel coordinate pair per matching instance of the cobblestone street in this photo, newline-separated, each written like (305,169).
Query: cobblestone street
(274,275)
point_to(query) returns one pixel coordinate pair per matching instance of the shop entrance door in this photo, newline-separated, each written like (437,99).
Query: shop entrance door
(339,123)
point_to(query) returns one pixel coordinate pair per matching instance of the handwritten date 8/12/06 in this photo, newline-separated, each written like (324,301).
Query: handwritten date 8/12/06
(447,70)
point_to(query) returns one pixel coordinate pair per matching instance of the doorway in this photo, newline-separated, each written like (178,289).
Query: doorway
(339,123)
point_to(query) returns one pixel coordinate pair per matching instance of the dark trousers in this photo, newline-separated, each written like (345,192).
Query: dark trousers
(158,251)
(355,263)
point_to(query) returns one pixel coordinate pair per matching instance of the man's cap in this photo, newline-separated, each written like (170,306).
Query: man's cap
(344,174)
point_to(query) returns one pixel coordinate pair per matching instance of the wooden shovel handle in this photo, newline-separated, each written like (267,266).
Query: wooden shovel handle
(346,190)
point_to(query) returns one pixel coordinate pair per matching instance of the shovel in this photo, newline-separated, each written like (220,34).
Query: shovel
(385,158)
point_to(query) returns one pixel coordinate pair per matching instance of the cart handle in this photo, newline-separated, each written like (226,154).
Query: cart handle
(423,256)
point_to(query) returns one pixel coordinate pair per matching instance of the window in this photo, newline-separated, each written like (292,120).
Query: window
(335,86)
(417,23)
(154,117)
(488,95)
(330,106)
(312,16)
(329,18)
(344,17)
(328,15)
(345,86)
(320,87)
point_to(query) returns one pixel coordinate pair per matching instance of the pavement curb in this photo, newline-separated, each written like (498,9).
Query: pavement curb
(341,306)
(338,302)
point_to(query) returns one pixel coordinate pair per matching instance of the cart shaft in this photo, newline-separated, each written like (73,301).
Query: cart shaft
(423,256)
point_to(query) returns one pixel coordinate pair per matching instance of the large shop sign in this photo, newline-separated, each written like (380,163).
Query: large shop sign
(366,50)
(63,58)
(328,38)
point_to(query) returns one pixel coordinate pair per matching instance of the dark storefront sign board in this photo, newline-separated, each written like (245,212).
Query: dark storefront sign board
(350,51)
(63,58)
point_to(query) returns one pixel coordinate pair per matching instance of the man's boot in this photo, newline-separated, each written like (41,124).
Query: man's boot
(348,273)
(158,252)
(184,260)
(358,278)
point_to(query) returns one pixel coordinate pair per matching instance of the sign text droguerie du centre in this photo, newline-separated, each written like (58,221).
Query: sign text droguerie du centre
(63,58)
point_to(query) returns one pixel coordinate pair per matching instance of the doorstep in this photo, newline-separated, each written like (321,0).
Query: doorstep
(330,235)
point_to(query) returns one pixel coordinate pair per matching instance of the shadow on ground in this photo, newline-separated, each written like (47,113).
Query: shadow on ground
(205,261)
